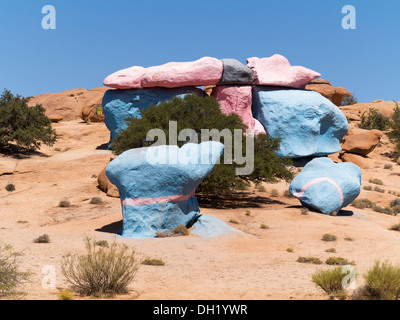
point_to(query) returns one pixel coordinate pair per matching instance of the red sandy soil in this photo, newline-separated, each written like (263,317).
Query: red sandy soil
(252,265)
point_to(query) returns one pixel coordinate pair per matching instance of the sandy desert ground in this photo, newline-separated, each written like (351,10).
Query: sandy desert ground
(251,265)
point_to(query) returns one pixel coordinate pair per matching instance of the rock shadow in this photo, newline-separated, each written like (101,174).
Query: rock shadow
(114,227)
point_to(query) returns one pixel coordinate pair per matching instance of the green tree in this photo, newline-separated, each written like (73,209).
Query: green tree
(27,126)
(197,113)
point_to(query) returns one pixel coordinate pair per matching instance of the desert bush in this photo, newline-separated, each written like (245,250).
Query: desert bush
(261,189)
(102,243)
(328,237)
(64,204)
(349,100)
(388,166)
(96,200)
(338,261)
(42,239)
(274,193)
(287,194)
(153,262)
(380,190)
(376,181)
(233,221)
(395,227)
(331,250)
(363,203)
(331,281)
(371,119)
(102,270)
(27,126)
(382,283)
(304,211)
(386,210)
(10,187)
(181,230)
(395,132)
(10,275)
(395,202)
(65,295)
(368,188)
(197,113)
(348,239)
(264,226)
(312,260)
(289,250)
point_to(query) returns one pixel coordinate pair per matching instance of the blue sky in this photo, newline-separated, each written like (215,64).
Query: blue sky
(94,38)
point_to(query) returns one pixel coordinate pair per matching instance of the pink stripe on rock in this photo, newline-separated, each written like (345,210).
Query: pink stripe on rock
(143,201)
(300,194)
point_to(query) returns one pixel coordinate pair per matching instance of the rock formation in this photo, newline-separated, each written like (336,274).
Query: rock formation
(335,94)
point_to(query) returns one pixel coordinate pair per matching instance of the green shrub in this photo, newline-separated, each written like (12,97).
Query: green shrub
(363,203)
(376,181)
(312,260)
(64,204)
(371,119)
(65,295)
(197,113)
(96,200)
(153,262)
(10,187)
(181,230)
(27,126)
(368,188)
(380,190)
(289,250)
(339,261)
(331,281)
(10,276)
(264,226)
(328,237)
(331,250)
(101,271)
(349,100)
(382,282)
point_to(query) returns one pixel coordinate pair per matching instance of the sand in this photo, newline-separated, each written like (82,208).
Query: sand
(251,265)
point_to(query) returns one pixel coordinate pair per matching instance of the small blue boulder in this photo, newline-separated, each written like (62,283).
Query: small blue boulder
(118,105)
(157,185)
(307,123)
(327,186)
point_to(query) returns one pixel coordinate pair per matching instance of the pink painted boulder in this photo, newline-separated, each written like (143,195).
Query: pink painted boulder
(238,99)
(277,71)
(203,72)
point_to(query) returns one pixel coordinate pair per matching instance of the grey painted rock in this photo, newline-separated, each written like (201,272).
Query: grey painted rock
(157,185)
(327,186)
(210,227)
(307,123)
(235,73)
(118,105)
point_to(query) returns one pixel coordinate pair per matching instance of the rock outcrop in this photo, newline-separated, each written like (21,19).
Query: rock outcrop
(326,186)
(335,94)
(362,143)
(157,185)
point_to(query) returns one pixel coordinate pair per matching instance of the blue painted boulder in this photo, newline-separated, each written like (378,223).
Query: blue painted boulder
(157,185)
(307,123)
(118,105)
(327,186)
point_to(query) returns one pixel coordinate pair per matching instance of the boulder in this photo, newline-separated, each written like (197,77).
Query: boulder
(236,73)
(55,117)
(202,72)
(335,94)
(120,104)
(277,71)
(361,161)
(210,227)
(384,107)
(91,113)
(362,143)
(307,123)
(106,186)
(326,186)
(157,185)
(238,99)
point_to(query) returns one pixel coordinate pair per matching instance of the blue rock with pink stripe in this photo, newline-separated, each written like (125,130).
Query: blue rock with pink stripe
(157,185)
(327,186)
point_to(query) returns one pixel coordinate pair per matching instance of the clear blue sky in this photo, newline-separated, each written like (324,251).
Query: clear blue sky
(94,38)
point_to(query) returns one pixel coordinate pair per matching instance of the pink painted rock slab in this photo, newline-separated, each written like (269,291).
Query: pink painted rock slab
(277,71)
(238,99)
(203,72)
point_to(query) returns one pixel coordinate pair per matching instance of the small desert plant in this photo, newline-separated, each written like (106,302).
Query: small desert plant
(371,119)
(382,282)
(264,226)
(328,237)
(388,166)
(368,188)
(386,210)
(287,194)
(396,209)
(339,261)
(233,221)
(349,100)
(65,295)
(57,149)
(102,243)
(395,202)
(376,181)
(304,211)
(101,270)
(181,230)
(363,203)
(380,190)
(331,281)
(289,250)
(247,212)
(10,276)
(64,204)
(10,187)
(42,239)
(153,262)
(96,200)
(274,193)
(331,250)
(395,227)
(261,189)
(312,260)
(348,239)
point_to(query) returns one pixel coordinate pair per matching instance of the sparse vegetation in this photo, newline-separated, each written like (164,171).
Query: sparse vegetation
(363,203)
(181,230)
(248,212)
(153,262)
(42,239)
(372,119)
(289,250)
(261,189)
(376,181)
(274,193)
(388,167)
(304,211)
(312,260)
(339,261)
(96,200)
(102,243)
(65,295)
(328,237)
(348,239)
(233,221)
(264,226)
(380,190)
(331,250)
(395,227)
(101,271)
(64,204)
(349,100)
(10,187)
(287,194)
(368,188)
(331,281)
